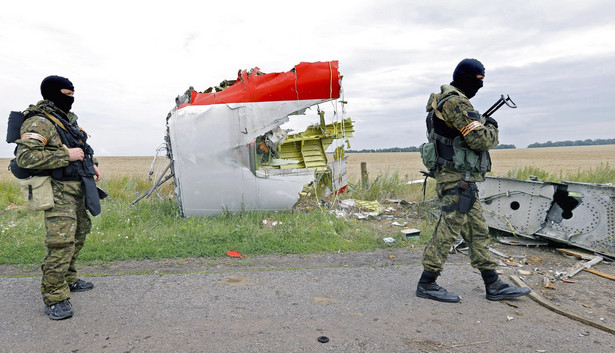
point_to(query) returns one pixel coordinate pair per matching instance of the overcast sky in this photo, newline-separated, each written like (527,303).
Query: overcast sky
(129,60)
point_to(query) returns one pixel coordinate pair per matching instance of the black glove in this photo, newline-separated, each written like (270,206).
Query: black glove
(491,121)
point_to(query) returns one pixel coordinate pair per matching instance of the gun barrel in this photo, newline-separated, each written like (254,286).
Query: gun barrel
(499,104)
(494,107)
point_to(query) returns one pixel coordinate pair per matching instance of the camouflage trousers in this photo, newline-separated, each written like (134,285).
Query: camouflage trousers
(67,224)
(451,225)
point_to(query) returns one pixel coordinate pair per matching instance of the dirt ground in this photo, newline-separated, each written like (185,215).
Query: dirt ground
(585,293)
(178,283)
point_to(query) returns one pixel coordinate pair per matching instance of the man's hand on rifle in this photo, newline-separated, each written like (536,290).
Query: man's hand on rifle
(491,121)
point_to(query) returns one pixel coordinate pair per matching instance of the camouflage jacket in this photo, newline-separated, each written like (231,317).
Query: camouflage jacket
(40,145)
(459,114)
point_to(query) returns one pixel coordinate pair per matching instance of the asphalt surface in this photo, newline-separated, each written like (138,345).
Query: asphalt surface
(362,302)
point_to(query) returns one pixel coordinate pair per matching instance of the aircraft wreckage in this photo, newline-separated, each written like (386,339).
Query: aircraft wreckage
(229,151)
(578,214)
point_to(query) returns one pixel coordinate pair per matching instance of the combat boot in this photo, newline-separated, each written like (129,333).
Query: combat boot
(500,290)
(435,292)
(81,286)
(59,311)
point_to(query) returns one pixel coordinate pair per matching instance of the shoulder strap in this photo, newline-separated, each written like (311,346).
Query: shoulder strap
(437,107)
(55,120)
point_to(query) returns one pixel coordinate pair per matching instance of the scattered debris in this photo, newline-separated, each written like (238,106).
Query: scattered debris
(521,241)
(411,232)
(548,283)
(456,245)
(400,202)
(581,254)
(418,181)
(270,223)
(338,213)
(234,253)
(389,240)
(498,253)
(601,274)
(323,339)
(509,304)
(370,205)
(581,265)
(13,206)
(540,300)
(346,203)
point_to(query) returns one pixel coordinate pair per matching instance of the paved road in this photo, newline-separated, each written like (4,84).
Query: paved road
(363,302)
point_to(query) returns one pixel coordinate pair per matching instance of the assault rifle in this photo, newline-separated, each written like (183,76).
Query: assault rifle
(498,104)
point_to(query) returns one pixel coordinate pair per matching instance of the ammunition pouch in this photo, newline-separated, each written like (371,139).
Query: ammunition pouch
(38,192)
(429,155)
(466,159)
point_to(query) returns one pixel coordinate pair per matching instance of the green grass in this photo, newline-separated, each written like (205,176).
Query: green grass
(153,229)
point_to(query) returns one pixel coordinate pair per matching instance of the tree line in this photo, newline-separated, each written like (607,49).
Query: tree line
(587,142)
(409,149)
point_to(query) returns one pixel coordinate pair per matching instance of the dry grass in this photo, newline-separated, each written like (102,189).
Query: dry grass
(554,160)
(551,159)
(110,166)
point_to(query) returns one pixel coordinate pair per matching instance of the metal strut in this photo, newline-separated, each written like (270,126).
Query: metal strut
(161,180)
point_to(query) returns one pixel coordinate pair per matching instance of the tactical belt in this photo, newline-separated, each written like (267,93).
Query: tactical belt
(449,208)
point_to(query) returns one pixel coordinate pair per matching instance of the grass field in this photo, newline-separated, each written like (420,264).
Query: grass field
(152,229)
(555,160)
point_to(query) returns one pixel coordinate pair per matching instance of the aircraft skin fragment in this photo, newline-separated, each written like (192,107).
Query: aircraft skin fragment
(307,81)
(211,140)
(578,214)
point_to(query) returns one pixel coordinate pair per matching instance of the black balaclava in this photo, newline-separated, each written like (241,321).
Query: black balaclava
(465,79)
(51,90)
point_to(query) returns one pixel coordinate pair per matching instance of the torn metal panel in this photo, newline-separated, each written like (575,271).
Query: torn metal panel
(579,214)
(228,151)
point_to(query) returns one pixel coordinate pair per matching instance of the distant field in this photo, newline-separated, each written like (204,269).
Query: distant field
(550,159)
(407,164)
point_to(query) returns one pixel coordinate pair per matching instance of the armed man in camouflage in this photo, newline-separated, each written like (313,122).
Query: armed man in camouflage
(462,139)
(52,144)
